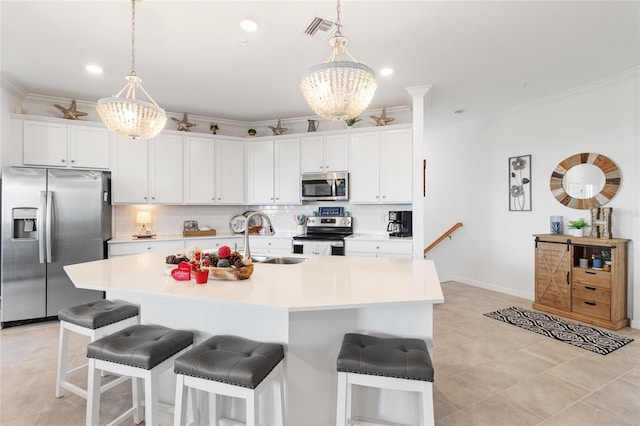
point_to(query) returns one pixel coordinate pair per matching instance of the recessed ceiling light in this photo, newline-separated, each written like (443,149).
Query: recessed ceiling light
(249,25)
(94,69)
(386,71)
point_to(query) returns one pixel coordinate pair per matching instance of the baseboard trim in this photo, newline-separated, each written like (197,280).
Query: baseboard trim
(505,290)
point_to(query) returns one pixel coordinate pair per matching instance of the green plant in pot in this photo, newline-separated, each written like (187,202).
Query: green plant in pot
(352,121)
(577,227)
(251,132)
(605,255)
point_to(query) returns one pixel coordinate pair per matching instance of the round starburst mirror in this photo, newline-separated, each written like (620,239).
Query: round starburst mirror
(585,181)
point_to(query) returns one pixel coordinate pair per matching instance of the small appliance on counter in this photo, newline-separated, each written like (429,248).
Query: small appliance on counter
(400,223)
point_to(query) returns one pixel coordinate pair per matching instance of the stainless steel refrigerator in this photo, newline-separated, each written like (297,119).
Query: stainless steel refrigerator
(50,218)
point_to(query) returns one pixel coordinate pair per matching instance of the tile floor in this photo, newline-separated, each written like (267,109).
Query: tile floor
(487,373)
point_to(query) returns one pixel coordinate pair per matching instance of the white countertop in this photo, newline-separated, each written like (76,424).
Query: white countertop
(319,283)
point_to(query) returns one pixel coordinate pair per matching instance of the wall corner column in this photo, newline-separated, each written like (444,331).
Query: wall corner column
(420,96)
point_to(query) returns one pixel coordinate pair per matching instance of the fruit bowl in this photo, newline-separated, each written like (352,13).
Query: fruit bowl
(230,274)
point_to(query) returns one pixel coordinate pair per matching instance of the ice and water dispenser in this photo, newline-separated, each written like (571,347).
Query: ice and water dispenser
(25,223)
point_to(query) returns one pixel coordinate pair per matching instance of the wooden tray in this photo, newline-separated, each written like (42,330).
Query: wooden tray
(230,274)
(198,233)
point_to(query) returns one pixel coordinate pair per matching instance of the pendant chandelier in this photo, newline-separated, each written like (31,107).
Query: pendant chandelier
(337,89)
(128,116)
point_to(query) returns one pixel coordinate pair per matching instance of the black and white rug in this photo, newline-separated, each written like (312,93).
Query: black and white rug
(580,335)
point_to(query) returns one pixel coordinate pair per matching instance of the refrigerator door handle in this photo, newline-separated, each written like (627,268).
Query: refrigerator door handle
(48,222)
(41,228)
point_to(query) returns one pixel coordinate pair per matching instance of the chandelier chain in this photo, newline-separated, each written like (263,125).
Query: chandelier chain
(338,24)
(133,37)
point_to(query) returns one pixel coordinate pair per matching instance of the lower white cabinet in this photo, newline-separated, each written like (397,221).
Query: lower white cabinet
(270,245)
(213,244)
(143,246)
(378,248)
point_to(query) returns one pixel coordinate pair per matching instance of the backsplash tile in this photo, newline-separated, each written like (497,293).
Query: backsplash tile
(168,220)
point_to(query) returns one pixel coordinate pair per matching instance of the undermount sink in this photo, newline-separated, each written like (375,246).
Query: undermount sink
(278,260)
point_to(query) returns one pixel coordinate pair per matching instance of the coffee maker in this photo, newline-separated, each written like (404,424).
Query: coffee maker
(399,223)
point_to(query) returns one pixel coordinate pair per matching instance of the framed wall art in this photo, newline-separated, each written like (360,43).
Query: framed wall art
(520,183)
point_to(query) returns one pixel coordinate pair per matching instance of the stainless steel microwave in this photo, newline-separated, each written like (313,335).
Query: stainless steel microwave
(330,186)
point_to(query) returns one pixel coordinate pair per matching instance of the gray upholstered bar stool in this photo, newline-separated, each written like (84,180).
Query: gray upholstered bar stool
(94,319)
(386,363)
(229,366)
(142,352)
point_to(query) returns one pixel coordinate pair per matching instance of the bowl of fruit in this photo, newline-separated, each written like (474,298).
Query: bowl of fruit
(224,264)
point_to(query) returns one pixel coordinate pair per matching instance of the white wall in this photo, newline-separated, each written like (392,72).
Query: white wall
(467,181)
(11,96)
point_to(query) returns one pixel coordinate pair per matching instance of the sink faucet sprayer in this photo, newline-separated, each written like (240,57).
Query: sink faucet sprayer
(270,231)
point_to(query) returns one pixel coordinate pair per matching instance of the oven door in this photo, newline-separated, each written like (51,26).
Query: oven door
(319,247)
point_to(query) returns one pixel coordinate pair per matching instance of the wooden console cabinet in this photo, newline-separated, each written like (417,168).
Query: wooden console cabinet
(593,296)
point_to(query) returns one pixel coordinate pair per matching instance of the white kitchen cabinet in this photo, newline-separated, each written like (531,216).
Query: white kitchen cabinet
(213,244)
(270,245)
(274,171)
(147,171)
(229,171)
(199,184)
(381,167)
(126,248)
(214,170)
(378,248)
(320,154)
(55,144)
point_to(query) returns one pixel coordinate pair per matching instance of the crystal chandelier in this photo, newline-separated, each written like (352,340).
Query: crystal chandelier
(336,89)
(127,116)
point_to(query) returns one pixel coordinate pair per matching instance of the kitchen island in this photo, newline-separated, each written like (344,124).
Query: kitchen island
(307,306)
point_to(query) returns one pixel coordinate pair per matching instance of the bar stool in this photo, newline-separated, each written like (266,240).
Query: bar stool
(142,352)
(94,319)
(230,366)
(386,363)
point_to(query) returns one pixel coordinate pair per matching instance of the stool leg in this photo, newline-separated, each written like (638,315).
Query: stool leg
(93,394)
(181,401)
(426,404)
(151,399)
(63,362)
(214,408)
(198,400)
(135,399)
(341,411)
(278,396)
(252,409)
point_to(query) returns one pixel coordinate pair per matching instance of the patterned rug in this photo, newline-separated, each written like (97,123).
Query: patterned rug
(580,335)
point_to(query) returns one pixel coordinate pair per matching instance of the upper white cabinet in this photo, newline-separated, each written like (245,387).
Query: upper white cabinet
(147,171)
(273,171)
(381,167)
(229,171)
(58,144)
(324,153)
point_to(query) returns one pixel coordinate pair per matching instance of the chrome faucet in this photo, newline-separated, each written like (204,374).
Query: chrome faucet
(270,231)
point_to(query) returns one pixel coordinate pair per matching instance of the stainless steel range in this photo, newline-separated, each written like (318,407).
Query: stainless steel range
(325,235)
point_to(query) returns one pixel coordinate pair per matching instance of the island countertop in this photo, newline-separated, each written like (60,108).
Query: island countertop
(319,283)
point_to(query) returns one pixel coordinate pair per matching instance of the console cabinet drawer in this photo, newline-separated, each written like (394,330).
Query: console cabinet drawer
(591,277)
(595,294)
(591,308)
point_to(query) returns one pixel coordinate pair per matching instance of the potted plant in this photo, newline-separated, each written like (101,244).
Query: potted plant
(577,227)
(251,132)
(352,121)
(605,255)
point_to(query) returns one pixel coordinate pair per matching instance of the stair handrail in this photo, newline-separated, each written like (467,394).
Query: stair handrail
(442,237)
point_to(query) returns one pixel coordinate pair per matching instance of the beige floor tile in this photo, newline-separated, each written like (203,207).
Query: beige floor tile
(544,395)
(620,398)
(462,389)
(586,372)
(580,414)
(554,351)
(492,411)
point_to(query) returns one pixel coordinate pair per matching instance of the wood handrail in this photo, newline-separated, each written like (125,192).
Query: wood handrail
(442,237)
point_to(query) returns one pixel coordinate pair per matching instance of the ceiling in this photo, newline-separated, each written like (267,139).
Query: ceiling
(480,56)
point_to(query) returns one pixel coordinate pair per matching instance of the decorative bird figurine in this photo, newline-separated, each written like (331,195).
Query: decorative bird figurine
(70,113)
(183,125)
(278,130)
(382,120)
